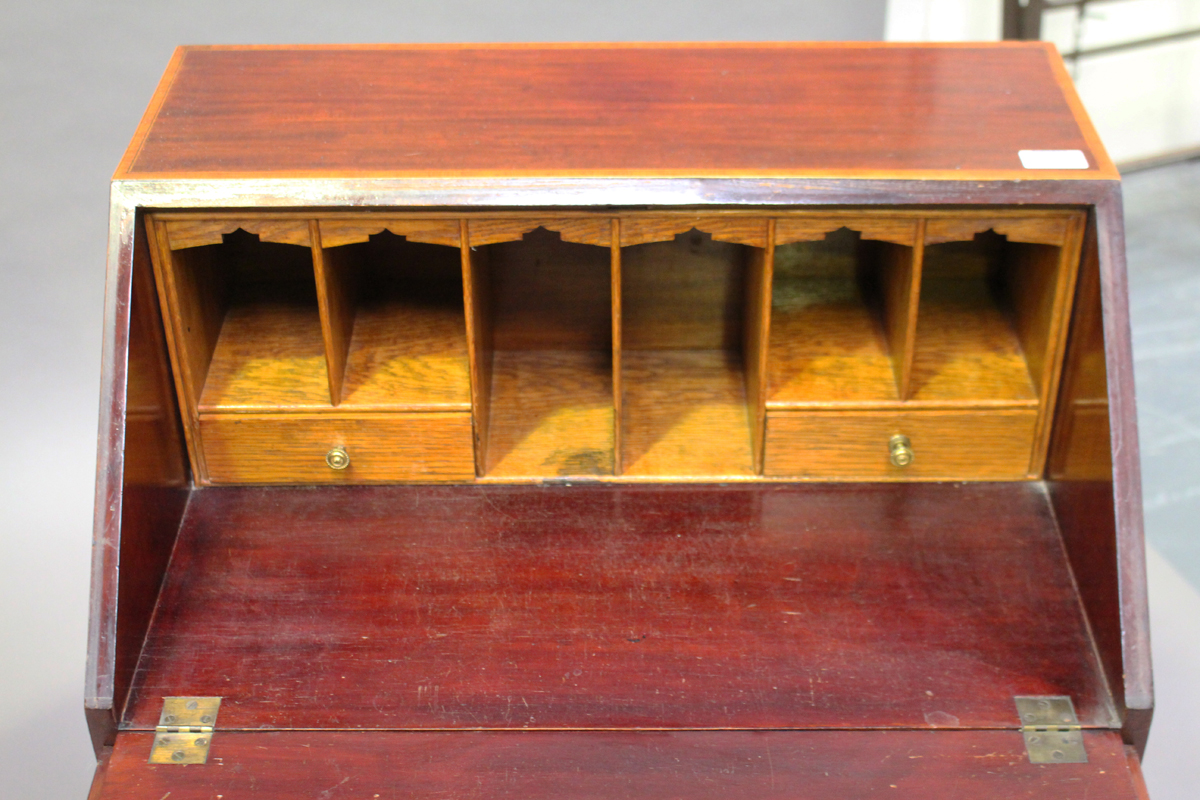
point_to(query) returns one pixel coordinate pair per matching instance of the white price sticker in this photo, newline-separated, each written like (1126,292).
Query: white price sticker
(1053,159)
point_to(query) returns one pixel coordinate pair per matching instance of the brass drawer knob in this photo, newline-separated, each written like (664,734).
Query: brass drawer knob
(900,449)
(337,458)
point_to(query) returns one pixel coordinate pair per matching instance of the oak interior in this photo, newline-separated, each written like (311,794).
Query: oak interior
(648,346)
(551,398)
(829,341)
(408,344)
(684,409)
(260,302)
(974,294)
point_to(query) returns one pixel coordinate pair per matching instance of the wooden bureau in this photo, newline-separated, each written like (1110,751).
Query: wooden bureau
(617,421)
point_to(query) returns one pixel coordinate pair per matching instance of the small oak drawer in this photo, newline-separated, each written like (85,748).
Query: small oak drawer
(891,445)
(253,448)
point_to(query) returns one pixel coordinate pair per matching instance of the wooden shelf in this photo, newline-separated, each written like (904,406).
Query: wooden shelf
(395,322)
(407,356)
(551,414)
(684,414)
(269,355)
(548,334)
(967,350)
(826,346)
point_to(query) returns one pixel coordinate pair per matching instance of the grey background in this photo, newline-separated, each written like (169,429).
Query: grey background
(74,80)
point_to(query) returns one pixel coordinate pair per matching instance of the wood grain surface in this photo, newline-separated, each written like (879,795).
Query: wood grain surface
(756,340)
(154,493)
(686,293)
(196,232)
(1081,444)
(1034,230)
(827,339)
(1080,471)
(337,231)
(407,355)
(966,348)
(291,448)
(596,230)
(981,325)
(709,765)
(866,110)
(736,229)
(408,349)
(948,445)
(338,278)
(896,229)
(685,414)
(550,294)
(551,414)
(755,606)
(270,355)
(477,307)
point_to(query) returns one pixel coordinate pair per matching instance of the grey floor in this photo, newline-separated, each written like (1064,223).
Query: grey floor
(74,79)
(1162,218)
(1163,228)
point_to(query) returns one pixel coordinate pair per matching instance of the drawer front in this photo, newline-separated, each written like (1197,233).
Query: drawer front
(947,445)
(245,448)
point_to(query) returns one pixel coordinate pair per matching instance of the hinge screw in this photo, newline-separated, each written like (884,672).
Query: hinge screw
(178,755)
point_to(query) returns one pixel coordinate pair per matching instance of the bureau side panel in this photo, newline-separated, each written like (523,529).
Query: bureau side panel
(137,523)
(1090,470)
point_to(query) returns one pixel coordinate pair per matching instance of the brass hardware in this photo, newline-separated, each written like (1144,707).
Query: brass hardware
(900,451)
(185,730)
(1051,729)
(337,458)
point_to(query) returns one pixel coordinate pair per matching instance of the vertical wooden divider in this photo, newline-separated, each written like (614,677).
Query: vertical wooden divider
(901,289)
(477,308)
(1067,279)
(618,393)
(755,341)
(337,290)
(177,344)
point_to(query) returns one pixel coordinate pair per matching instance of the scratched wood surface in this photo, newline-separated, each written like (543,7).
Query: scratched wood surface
(619,606)
(756,109)
(709,765)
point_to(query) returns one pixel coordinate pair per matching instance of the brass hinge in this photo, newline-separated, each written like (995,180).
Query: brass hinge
(1051,729)
(184,730)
